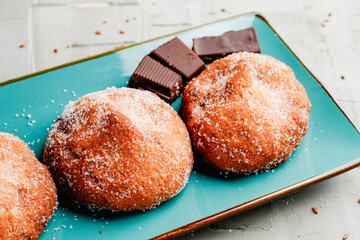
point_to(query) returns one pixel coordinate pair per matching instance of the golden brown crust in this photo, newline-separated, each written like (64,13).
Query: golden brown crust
(246,112)
(28,196)
(119,149)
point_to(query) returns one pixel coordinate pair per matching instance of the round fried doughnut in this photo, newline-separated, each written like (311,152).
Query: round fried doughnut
(246,112)
(28,196)
(119,149)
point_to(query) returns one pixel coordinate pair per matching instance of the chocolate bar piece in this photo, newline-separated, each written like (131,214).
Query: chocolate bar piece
(152,75)
(177,56)
(211,48)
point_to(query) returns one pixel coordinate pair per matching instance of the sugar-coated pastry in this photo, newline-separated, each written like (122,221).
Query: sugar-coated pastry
(246,112)
(119,149)
(28,195)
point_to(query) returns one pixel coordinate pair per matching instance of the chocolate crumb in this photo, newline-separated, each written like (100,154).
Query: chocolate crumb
(22,45)
(223,10)
(330,14)
(345,236)
(326,20)
(101,232)
(56,50)
(315,210)
(127,20)
(359,201)
(98,32)
(122,32)
(343,77)
(119,47)
(323,25)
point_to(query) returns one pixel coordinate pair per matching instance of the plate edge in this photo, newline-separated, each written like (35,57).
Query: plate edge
(257,202)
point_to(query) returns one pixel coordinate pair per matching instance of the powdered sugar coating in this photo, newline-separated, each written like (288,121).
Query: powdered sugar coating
(28,196)
(119,149)
(246,112)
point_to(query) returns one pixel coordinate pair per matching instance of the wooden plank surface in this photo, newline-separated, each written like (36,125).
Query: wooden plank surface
(330,51)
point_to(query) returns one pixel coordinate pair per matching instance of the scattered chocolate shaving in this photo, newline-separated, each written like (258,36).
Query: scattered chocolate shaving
(323,24)
(223,10)
(98,32)
(315,210)
(56,50)
(359,201)
(101,232)
(127,20)
(330,14)
(345,236)
(122,32)
(343,78)
(22,45)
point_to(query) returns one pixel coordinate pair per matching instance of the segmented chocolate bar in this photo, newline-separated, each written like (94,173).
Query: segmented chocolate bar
(177,56)
(152,75)
(211,48)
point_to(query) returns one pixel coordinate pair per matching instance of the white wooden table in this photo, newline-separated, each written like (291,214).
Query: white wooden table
(330,51)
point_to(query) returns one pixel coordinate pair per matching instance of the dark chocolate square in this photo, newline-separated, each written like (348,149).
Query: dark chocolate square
(177,56)
(211,48)
(152,75)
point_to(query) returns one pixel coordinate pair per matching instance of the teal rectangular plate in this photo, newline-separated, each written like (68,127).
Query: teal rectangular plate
(330,147)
